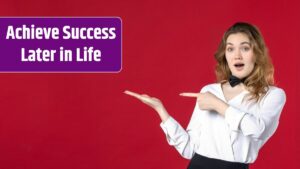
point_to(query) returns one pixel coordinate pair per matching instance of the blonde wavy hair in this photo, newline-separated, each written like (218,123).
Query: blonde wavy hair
(262,76)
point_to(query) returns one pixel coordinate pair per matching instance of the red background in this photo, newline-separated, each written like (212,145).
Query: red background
(84,121)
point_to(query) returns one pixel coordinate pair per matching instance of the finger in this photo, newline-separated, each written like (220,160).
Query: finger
(190,94)
(145,95)
(142,97)
(136,95)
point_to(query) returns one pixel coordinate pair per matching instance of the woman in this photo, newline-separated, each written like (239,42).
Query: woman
(235,117)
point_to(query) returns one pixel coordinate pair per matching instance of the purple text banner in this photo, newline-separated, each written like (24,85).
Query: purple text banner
(60,44)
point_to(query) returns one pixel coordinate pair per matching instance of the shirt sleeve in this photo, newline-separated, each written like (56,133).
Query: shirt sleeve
(185,141)
(261,124)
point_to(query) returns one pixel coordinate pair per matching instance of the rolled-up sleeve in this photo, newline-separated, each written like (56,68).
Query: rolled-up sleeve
(261,124)
(174,132)
(185,141)
(178,137)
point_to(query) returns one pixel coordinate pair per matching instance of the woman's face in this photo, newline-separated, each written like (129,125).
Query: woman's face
(239,55)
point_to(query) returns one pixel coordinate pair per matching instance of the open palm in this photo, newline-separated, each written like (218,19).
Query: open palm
(150,101)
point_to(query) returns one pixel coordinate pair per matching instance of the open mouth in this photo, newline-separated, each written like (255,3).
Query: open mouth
(239,65)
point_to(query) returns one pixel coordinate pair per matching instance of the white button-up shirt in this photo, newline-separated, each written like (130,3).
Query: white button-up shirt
(238,136)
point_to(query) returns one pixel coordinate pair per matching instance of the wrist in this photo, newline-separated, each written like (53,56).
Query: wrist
(221,107)
(160,109)
(163,114)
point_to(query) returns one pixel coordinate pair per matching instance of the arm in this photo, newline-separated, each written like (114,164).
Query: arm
(262,124)
(176,136)
(185,141)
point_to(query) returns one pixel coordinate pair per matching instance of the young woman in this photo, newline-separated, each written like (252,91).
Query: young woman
(235,117)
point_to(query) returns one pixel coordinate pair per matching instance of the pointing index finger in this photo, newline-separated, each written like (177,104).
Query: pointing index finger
(133,94)
(190,94)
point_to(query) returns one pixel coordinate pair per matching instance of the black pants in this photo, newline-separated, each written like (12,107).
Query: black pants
(201,162)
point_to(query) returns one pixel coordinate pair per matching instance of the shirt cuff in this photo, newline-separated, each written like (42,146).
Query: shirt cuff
(233,117)
(171,128)
(168,125)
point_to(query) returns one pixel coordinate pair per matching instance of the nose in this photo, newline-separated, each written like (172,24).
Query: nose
(238,54)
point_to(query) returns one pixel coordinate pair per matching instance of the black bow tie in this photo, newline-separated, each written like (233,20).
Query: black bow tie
(233,81)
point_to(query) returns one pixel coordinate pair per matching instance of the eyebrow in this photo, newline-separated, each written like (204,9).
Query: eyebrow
(248,43)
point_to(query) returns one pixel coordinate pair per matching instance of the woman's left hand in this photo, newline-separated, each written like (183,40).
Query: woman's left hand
(208,101)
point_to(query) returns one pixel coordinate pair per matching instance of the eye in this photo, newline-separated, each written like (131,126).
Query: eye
(229,49)
(245,49)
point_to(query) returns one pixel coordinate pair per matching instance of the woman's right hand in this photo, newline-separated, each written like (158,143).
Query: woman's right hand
(153,102)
